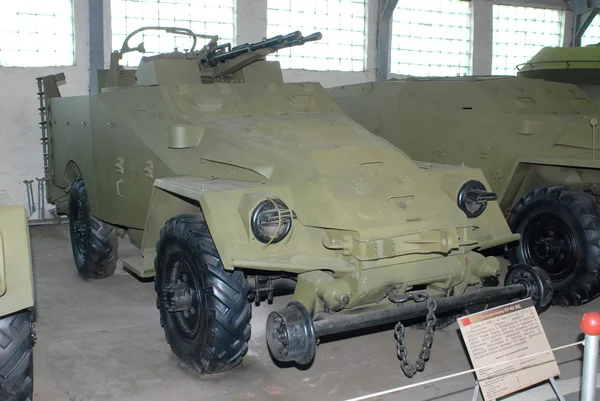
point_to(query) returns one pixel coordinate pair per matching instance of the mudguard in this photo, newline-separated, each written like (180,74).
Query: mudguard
(16,275)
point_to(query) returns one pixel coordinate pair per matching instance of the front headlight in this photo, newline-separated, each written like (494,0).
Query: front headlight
(473,198)
(271,221)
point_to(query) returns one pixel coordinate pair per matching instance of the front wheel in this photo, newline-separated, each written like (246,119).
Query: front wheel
(560,233)
(204,308)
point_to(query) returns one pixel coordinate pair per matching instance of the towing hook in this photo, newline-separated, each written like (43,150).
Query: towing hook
(537,282)
(292,334)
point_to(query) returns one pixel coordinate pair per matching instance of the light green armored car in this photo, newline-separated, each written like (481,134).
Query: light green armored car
(229,180)
(574,65)
(534,140)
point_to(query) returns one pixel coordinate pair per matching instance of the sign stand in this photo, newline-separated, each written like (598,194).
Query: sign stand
(554,385)
(509,350)
(476,391)
(552,382)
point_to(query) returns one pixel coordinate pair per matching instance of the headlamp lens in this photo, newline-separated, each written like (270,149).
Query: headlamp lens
(271,221)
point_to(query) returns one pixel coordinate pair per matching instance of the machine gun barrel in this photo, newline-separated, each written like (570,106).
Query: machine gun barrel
(300,41)
(272,42)
(275,43)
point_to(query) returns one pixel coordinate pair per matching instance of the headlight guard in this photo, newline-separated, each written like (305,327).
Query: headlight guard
(473,198)
(271,221)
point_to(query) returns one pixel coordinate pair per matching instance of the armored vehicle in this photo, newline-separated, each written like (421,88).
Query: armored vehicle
(16,302)
(229,180)
(575,65)
(534,140)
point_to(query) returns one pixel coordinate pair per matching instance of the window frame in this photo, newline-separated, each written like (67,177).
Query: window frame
(395,66)
(307,53)
(131,60)
(503,71)
(71,50)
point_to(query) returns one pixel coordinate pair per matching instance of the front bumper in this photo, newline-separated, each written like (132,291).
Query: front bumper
(292,334)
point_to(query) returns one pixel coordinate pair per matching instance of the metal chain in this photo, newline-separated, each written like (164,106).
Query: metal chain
(411,369)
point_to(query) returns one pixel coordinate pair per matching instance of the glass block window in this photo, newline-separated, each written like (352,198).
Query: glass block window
(342,23)
(36,33)
(201,16)
(520,32)
(431,38)
(591,36)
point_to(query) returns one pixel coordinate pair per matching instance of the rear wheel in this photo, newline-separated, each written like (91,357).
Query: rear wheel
(93,241)
(204,308)
(560,233)
(16,358)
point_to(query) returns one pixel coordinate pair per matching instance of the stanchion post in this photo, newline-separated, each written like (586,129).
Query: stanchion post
(590,324)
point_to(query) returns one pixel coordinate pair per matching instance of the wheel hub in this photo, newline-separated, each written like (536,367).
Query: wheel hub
(549,248)
(550,243)
(180,298)
(291,334)
(280,335)
(80,229)
(536,280)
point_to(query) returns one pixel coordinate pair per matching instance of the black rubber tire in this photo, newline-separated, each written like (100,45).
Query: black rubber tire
(219,338)
(16,358)
(576,217)
(96,254)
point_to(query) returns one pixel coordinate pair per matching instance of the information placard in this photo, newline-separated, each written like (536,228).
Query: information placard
(506,333)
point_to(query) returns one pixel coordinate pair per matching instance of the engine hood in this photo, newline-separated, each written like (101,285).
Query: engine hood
(340,176)
(284,147)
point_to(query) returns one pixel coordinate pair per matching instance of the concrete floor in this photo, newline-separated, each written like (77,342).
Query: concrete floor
(101,340)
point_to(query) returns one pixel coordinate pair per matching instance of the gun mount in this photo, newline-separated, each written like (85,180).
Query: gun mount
(225,52)
(212,61)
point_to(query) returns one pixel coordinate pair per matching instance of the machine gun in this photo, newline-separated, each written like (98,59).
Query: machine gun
(215,60)
(225,52)
(222,60)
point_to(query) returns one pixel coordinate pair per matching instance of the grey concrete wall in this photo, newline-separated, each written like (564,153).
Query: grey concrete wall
(20,146)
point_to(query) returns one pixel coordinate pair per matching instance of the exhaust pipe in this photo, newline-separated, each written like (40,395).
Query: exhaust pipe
(292,334)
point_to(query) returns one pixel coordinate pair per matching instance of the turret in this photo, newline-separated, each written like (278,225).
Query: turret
(572,65)
(212,63)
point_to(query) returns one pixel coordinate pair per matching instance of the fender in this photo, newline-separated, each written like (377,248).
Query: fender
(450,178)
(16,275)
(227,207)
(178,195)
(532,172)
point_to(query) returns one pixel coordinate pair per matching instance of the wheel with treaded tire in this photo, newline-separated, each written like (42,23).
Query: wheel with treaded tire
(16,358)
(560,233)
(94,242)
(204,309)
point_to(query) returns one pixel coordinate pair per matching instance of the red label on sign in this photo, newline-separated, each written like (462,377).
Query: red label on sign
(466,321)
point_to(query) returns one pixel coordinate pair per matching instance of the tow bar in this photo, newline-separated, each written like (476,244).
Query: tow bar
(292,334)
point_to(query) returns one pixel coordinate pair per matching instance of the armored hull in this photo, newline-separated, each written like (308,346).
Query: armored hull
(535,142)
